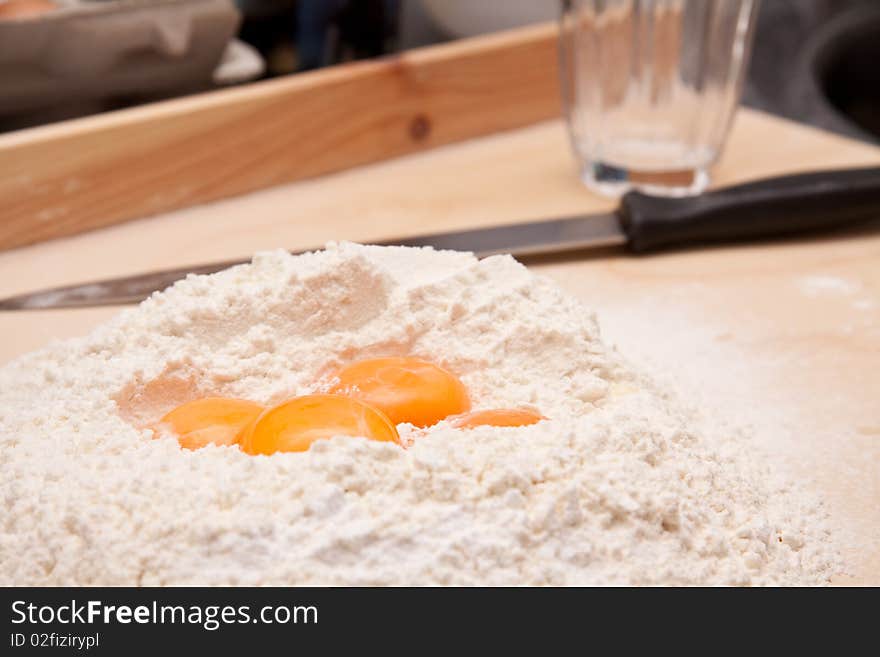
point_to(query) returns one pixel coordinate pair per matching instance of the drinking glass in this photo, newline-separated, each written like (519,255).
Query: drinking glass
(650,88)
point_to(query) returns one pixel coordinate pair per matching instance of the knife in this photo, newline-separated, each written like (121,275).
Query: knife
(772,207)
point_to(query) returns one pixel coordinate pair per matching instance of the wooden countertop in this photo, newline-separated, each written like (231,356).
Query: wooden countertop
(782,335)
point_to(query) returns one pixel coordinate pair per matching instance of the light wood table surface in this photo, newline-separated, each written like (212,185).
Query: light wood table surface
(784,336)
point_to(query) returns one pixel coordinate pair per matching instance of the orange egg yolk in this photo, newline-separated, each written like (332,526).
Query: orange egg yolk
(405,389)
(211,421)
(294,425)
(496,417)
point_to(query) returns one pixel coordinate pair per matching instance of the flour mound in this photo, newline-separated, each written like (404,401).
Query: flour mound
(620,486)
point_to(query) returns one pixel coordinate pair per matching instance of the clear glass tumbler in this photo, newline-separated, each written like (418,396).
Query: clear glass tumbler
(650,88)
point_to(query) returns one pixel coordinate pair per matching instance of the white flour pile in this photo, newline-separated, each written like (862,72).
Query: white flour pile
(617,487)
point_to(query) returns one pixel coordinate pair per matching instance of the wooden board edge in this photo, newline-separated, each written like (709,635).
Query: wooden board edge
(88,173)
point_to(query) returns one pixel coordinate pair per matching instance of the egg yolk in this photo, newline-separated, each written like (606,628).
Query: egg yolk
(405,389)
(211,421)
(496,417)
(294,425)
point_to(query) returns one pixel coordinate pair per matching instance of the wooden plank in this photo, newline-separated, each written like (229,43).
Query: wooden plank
(83,174)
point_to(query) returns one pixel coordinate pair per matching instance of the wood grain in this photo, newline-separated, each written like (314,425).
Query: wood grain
(84,174)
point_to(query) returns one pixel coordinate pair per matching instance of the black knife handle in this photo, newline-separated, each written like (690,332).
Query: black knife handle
(767,208)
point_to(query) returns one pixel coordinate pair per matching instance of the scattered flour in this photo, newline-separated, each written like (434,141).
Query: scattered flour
(621,486)
(819,284)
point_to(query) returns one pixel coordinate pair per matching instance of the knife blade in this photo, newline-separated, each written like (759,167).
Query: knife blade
(767,208)
(519,239)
